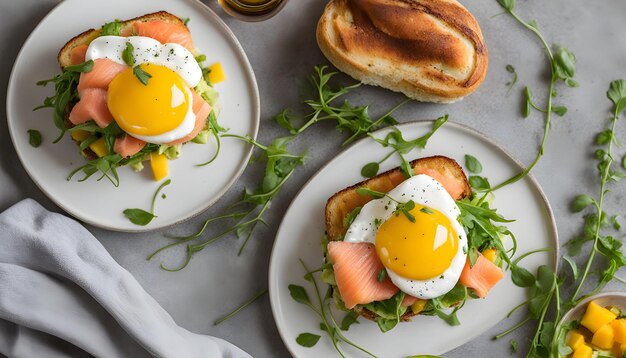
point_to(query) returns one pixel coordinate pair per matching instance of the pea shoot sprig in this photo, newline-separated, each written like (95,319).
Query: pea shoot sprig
(545,288)
(562,69)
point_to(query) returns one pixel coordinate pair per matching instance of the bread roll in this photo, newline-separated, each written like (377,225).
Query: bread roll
(430,50)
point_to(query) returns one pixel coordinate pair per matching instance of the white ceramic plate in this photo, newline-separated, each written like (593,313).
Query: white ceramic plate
(303,226)
(193,188)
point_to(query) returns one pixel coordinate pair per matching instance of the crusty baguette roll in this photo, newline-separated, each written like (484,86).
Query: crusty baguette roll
(65,54)
(342,203)
(430,50)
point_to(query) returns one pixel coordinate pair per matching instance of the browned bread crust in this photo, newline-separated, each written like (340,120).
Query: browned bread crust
(343,202)
(84,38)
(430,50)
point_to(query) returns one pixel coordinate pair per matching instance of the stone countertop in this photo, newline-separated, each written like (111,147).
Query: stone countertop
(282,52)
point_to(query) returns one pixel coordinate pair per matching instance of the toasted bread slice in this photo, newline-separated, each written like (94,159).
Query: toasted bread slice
(430,50)
(65,54)
(342,203)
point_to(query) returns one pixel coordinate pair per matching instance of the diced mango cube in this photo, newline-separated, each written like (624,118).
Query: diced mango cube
(583,351)
(490,254)
(418,306)
(604,337)
(619,329)
(79,135)
(99,147)
(216,74)
(575,340)
(158,163)
(596,316)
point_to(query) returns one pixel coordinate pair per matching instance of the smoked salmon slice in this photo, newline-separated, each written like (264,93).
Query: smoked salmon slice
(202,109)
(408,301)
(127,145)
(78,53)
(482,276)
(165,32)
(356,267)
(92,105)
(102,73)
(453,186)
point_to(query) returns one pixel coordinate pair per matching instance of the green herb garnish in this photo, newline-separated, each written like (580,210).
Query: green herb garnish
(510,69)
(34,138)
(185,21)
(401,208)
(111,29)
(472,164)
(427,210)
(141,75)
(307,339)
(128,57)
(142,217)
(241,307)
(65,92)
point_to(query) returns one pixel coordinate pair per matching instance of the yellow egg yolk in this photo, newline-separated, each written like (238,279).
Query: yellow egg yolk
(417,250)
(154,108)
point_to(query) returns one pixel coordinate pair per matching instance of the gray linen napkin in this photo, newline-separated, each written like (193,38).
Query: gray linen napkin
(62,294)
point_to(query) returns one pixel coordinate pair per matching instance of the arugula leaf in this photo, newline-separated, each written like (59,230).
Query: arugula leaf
(66,92)
(573,266)
(142,217)
(479,183)
(472,164)
(127,55)
(113,28)
(307,339)
(139,216)
(298,293)
(521,277)
(34,138)
(382,274)
(141,75)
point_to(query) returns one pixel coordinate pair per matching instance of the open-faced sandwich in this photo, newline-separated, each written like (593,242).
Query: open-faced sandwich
(395,248)
(132,91)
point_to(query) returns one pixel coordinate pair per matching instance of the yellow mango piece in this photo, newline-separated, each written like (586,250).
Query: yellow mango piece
(604,337)
(619,329)
(217,73)
(79,135)
(576,339)
(596,317)
(490,254)
(418,306)
(99,147)
(583,351)
(158,163)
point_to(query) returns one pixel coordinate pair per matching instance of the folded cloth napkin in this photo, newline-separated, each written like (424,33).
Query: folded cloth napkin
(62,294)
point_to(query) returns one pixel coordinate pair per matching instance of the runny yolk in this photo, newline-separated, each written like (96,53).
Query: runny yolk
(417,250)
(154,108)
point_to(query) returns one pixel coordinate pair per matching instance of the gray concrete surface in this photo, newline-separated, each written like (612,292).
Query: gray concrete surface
(282,51)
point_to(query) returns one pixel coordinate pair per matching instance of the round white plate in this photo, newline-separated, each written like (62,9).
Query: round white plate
(303,225)
(193,189)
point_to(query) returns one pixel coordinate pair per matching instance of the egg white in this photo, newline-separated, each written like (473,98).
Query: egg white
(170,55)
(424,190)
(148,50)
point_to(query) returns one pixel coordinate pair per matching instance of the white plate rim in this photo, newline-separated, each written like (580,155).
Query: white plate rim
(467,129)
(256,108)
